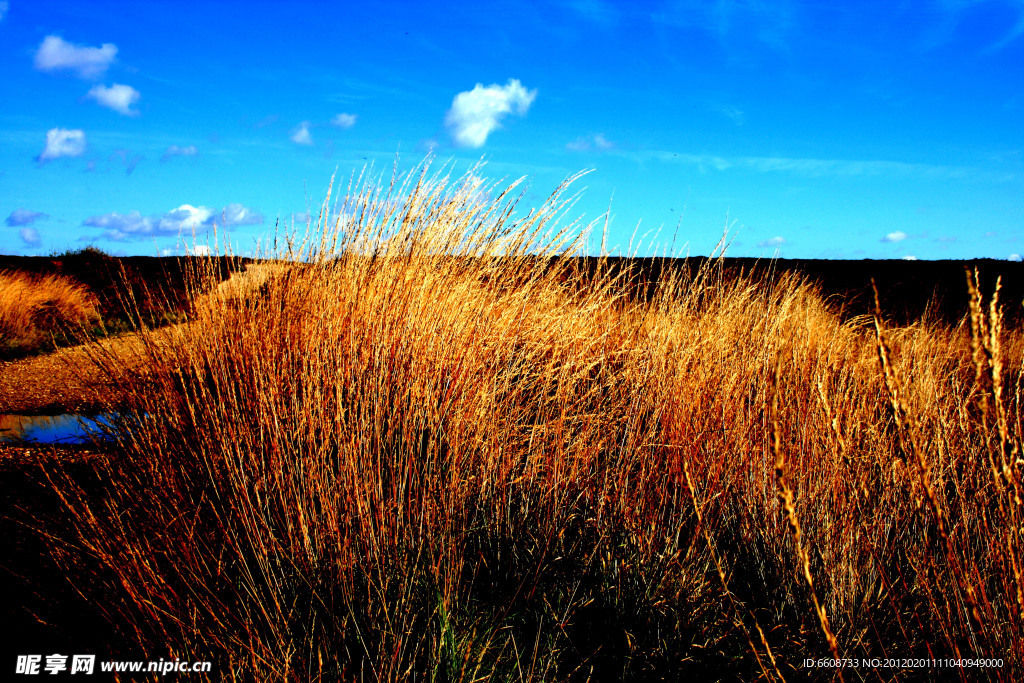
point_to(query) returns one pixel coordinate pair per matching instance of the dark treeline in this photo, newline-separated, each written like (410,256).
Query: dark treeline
(907,290)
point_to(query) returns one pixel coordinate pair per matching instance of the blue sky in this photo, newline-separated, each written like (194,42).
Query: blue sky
(812,129)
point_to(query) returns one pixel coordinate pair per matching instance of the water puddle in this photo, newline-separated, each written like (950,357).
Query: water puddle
(52,429)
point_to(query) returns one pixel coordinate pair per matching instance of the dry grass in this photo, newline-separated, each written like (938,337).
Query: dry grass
(431,448)
(34,309)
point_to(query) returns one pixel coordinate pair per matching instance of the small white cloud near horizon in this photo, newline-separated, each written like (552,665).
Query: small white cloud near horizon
(1014,257)
(20,217)
(56,54)
(199,250)
(187,217)
(118,97)
(910,257)
(301,135)
(897,236)
(62,142)
(774,242)
(476,113)
(344,120)
(176,151)
(30,237)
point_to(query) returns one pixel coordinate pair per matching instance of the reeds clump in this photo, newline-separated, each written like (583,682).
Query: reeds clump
(429,445)
(36,309)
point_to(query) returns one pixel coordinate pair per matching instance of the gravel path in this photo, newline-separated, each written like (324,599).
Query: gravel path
(68,380)
(65,381)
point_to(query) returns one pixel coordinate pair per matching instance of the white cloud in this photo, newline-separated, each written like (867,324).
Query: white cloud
(122,227)
(909,257)
(344,120)
(175,151)
(199,250)
(30,237)
(774,242)
(55,54)
(301,136)
(186,218)
(476,113)
(62,142)
(1014,257)
(118,97)
(21,217)
(897,236)
(3,9)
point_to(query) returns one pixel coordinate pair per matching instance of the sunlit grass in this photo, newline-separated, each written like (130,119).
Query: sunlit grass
(35,310)
(425,442)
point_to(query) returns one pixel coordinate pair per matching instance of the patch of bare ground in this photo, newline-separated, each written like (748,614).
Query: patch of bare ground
(69,380)
(65,381)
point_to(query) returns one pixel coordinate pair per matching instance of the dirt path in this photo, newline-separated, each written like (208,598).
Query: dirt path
(64,381)
(67,380)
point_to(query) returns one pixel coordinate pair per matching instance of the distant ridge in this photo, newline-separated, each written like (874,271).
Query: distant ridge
(907,289)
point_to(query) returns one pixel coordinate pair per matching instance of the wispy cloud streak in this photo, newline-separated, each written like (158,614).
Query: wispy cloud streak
(824,167)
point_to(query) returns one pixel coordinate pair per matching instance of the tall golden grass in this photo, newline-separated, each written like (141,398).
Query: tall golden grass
(433,448)
(34,309)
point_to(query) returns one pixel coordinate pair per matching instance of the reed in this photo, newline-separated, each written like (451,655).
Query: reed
(424,443)
(37,309)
